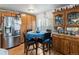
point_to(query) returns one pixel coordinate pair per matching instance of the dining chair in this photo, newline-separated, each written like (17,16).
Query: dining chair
(46,42)
(27,44)
(28,30)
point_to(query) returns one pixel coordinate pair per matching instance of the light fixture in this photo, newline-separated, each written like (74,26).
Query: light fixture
(31,8)
(23,14)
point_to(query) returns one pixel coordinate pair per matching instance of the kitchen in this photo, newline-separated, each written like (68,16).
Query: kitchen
(61,19)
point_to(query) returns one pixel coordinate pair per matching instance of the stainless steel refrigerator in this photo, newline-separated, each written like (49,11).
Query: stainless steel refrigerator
(11,27)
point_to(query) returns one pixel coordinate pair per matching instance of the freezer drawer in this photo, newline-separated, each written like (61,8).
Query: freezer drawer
(11,41)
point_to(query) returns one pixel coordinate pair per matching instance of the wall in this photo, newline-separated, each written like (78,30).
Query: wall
(45,21)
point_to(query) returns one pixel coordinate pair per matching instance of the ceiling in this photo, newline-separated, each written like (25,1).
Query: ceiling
(31,8)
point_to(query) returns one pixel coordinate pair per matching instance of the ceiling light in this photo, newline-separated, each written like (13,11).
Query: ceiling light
(23,14)
(31,9)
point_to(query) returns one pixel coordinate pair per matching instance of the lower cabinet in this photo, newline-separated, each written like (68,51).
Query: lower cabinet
(66,45)
(74,47)
(56,43)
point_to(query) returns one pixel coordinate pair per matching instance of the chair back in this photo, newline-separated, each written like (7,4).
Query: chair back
(29,30)
(25,39)
(47,35)
(48,30)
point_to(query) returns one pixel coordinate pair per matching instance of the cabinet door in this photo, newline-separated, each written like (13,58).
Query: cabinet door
(61,45)
(56,43)
(0,40)
(74,47)
(6,14)
(29,22)
(23,25)
(0,19)
(33,23)
(66,46)
(13,14)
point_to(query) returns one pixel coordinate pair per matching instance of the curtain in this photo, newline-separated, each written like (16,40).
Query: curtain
(44,21)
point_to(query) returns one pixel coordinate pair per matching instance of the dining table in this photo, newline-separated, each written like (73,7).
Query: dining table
(35,35)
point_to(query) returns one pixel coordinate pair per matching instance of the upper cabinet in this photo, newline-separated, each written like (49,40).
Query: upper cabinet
(33,23)
(6,13)
(58,20)
(28,22)
(0,18)
(73,18)
(67,20)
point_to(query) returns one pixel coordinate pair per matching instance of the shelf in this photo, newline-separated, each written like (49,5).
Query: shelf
(67,19)
(58,25)
(73,25)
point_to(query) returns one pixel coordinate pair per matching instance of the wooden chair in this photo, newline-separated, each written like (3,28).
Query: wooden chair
(27,44)
(46,42)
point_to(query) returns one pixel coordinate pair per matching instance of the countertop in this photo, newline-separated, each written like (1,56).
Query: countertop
(71,36)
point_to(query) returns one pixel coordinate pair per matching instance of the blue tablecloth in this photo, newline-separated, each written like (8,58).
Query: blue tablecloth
(31,35)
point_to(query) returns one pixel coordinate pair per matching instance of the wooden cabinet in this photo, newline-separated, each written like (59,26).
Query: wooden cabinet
(0,40)
(6,14)
(0,19)
(61,44)
(28,22)
(70,18)
(66,44)
(74,47)
(13,14)
(24,24)
(33,22)
(69,44)
(55,42)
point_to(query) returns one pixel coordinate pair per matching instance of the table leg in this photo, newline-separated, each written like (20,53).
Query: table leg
(43,49)
(36,48)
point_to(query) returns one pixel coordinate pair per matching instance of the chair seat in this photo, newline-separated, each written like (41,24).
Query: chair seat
(31,42)
(47,41)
